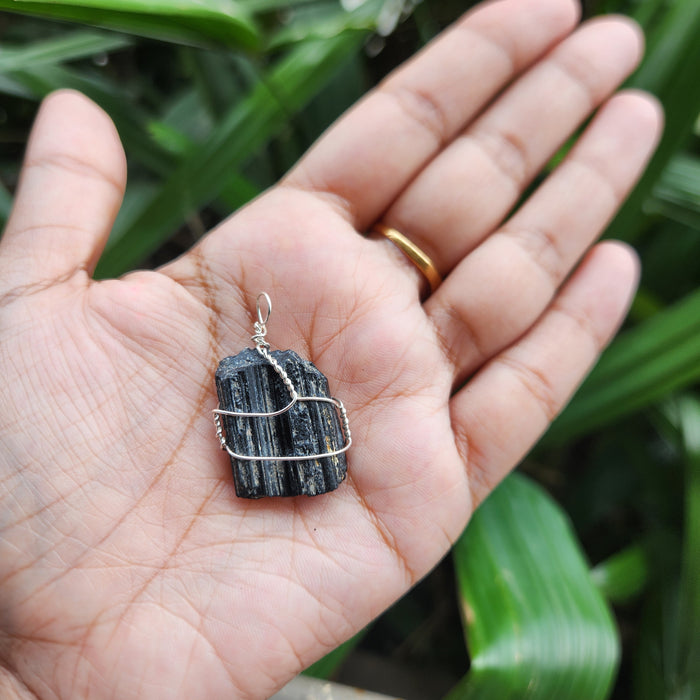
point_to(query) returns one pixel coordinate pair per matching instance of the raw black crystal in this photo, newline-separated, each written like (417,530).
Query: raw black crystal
(248,383)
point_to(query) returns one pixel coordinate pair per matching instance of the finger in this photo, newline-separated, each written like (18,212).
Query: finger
(70,190)
(501,288)
(499,415)
(378,147)
(470,187)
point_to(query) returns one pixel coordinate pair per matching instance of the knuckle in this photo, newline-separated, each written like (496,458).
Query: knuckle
(506,151)
(542,247)
(536,382)
(422,108)
(579,70)
(503,46)
(597,176)
(64,162)
(583,325)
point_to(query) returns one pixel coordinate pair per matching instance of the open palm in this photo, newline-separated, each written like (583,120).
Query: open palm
(128,567)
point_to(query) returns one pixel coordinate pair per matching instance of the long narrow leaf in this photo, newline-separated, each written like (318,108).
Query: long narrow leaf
(326,21)
(677,194)
(644,365)
(670,71)
(667,663)
(129,119)
(202,22)
(75,45)
(199,178)
(260,6)
(535,624)
(688,647)
(622,576)
(647,13)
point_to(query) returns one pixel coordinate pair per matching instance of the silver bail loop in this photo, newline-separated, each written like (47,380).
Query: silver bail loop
(260,326)
(268,302)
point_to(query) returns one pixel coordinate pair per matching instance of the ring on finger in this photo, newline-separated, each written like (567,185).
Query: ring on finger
(422,261)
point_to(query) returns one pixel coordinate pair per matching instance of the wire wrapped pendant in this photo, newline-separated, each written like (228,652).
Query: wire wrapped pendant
(284,432)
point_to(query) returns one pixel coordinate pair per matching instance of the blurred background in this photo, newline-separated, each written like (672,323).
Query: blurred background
(580,577)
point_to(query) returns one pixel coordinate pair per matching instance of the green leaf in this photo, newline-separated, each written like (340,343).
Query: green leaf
(5,206)
(677,194)
(670,71)
(326,667)
(237,190)
(186,113)
(260,6)
(130,120)
(76,45)
(654,675)
(169,138)
(670,266)
(324,21)
(535,624)
(667,663)
(623,576)
(203,22)
(647,13)
(642,366)
(251,123)
(687,417)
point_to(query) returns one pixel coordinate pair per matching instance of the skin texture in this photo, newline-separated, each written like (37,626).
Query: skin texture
(128,568)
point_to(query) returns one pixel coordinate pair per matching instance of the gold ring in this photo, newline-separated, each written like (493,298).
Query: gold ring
(413,253)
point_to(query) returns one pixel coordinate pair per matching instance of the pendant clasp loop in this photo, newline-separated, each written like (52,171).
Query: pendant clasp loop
(268,301)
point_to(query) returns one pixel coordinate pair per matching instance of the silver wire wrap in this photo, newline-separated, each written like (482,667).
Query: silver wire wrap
(263,347)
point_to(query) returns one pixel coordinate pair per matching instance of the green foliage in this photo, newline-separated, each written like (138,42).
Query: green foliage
(202,172)
(645,364)
(622,576)
(670,72)
(71,47)
(533,617)
(221,104)
(201,22)
(669,661)
(325,667)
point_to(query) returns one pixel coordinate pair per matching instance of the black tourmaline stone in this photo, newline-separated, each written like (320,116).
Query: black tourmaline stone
(248,383)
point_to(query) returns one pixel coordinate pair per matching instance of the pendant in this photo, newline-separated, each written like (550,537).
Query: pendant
(284,432)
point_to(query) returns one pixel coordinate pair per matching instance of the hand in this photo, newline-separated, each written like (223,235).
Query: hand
(128,568)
